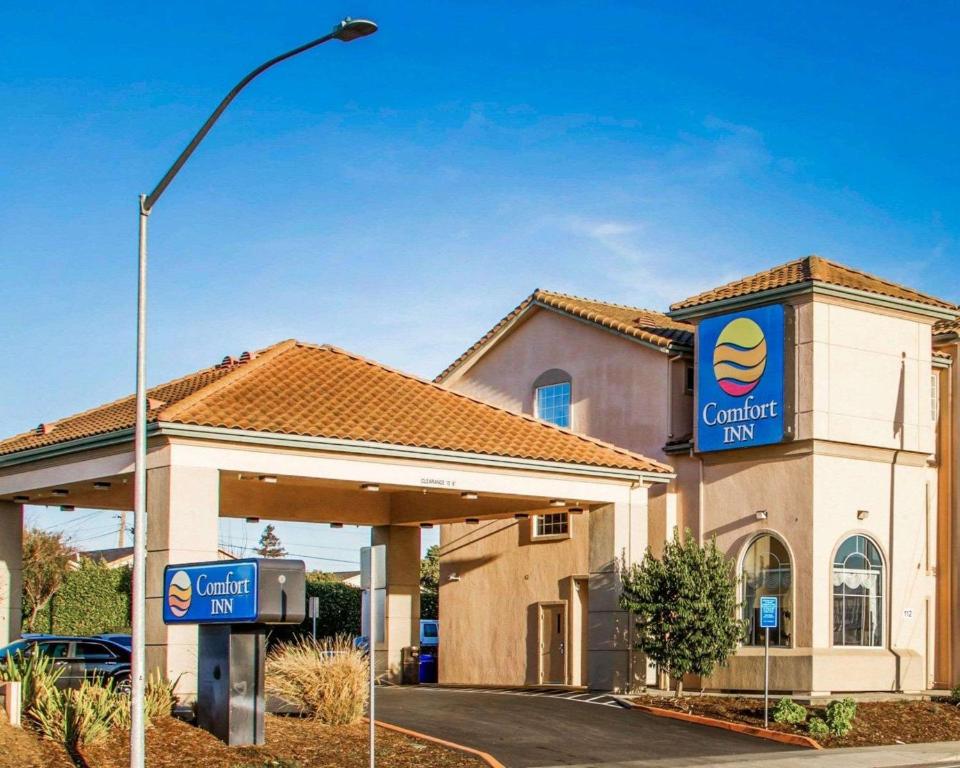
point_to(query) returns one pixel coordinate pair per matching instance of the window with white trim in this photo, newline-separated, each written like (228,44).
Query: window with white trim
(552,397)
(766,572)
(858,593)
(552,524)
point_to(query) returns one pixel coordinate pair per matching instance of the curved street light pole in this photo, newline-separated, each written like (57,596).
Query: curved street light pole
(345,31)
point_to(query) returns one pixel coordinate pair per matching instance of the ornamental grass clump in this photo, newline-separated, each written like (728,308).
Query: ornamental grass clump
(81,715)
(36,674)
(326,679)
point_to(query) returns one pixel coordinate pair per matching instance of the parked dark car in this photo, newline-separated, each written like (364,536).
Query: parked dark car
(116,637)
(81,658)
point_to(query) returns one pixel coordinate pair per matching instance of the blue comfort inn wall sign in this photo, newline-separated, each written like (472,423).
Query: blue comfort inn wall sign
(740,379)
(211,593)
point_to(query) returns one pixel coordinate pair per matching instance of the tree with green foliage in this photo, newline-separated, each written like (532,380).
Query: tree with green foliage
(430,583)
(93,598)
(270,545)
(684,605)
(45,558)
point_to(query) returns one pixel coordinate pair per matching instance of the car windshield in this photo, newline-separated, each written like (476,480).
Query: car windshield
(18,647)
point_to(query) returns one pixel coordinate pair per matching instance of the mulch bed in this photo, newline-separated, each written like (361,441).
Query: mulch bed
(304,743)
(876,723)
(20,748)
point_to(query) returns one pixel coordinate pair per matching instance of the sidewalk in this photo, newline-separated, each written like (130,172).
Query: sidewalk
(944,753)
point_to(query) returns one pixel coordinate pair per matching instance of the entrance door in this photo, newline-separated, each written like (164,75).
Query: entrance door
(553,634)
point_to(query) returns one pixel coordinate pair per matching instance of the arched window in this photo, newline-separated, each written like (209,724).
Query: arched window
(766,571)
(858,593)
(552,397)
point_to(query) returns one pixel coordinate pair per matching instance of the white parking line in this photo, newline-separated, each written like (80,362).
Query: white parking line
(601,700)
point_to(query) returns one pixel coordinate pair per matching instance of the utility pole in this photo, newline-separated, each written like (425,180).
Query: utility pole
(122,537)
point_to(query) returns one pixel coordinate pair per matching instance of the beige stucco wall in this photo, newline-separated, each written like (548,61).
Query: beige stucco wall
(488,619)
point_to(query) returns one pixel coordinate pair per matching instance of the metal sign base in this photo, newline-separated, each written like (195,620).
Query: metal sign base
(230,699)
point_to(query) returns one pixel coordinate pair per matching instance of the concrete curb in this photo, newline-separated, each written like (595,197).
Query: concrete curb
(751,730)
(487,758)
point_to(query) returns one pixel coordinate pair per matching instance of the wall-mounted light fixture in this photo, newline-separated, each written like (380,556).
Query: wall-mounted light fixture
(521,516)
(60,492)
(369,487)
(472,521)
(267,478)
(863,514)
(469,495)
(102,485)
(761,514)
(558,502)
(252,519)
(453,577)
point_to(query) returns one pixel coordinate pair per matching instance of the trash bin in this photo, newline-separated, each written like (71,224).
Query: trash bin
(410,665)
(428,666)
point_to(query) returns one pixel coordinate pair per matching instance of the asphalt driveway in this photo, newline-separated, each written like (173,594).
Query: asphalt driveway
(524,730)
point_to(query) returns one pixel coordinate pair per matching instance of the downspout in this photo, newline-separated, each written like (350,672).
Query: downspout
(670,362)
(888,586)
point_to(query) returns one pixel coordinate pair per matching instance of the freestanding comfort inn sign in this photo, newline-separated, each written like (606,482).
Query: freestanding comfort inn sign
(740,379)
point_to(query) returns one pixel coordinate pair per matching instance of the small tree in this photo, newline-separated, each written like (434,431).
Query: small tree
(684,605)
(45,558)
(270,545)
(430,583)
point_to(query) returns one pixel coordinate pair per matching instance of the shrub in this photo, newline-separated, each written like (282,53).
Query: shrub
(93,598)
(954,697)
(81,715)
(35,673)
(327,679)
(840,715)
(817,728)
(789,712)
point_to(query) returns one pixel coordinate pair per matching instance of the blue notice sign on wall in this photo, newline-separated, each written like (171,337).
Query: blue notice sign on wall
(769,612)
(211,593)
(740,379)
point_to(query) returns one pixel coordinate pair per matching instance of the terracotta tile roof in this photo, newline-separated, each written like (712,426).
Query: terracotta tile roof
(644,324)
(941,355)
(811,269)
(294,388)
(944,327)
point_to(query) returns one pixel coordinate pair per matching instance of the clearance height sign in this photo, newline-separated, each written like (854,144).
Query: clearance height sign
(740,379)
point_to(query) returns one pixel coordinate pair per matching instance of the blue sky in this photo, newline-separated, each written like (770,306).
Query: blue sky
(397,195)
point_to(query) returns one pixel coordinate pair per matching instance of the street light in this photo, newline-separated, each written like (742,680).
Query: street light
(347,30)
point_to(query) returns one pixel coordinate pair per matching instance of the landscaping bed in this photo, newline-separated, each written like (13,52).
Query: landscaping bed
(292,742)
(876,722)
(25,749)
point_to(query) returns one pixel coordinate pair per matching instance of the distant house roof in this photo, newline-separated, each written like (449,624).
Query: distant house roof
(294,388)
(812,270)
(646,325)
(115,556)
(947,328)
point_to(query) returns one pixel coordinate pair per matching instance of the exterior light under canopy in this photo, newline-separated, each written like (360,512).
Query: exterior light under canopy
(60,492)
(253,519)
(426,525)
(336,525)
(370,487)
(575,510)
(472,521)
(761,514)
(102,486)
(267,478)
(21,499)
(558,502)
(469,495)
(67,508)
(521,516)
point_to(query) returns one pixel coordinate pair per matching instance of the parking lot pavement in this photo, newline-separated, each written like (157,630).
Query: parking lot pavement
(528,729)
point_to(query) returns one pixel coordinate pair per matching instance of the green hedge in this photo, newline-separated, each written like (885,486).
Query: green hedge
(92,599)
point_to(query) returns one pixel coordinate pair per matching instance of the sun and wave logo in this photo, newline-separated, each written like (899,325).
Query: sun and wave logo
(179,594)
(740,357)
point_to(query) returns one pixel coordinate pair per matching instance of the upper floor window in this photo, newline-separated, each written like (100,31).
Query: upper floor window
(858,593)
(552,397)
(766,571)
(553,524)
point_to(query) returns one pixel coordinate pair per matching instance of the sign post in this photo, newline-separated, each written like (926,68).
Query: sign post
(769,619)
(373,579)
(313,607)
